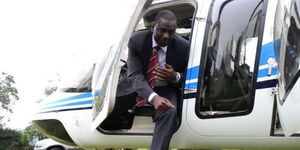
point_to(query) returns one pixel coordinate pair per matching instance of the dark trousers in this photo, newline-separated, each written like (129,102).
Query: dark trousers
(165,123)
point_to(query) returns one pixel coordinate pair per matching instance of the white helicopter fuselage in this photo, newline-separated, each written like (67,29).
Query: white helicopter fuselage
(74,118)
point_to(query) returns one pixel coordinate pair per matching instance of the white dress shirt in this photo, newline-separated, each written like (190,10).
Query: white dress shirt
(162,53)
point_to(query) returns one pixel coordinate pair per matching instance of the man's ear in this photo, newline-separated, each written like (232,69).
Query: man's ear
(152,27)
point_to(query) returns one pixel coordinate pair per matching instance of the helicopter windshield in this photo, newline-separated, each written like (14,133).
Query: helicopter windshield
(78,79)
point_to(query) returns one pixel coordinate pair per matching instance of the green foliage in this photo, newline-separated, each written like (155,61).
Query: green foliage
(30,133)
(10,140)
(52,85)
(49,90)
(19,140)
(8,93)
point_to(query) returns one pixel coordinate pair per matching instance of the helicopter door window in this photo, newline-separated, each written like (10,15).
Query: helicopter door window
(229,57)
(287,46)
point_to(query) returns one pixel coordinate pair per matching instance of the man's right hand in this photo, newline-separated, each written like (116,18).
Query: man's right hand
(161,104)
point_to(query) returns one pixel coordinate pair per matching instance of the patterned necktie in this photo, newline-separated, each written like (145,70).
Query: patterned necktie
(153,63)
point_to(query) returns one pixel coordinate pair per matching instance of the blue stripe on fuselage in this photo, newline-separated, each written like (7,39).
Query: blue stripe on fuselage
(192,73)
(267,51)
(90,101)
(193,85)
(80,96)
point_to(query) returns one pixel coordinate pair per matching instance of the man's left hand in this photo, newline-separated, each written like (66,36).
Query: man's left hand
(166,73)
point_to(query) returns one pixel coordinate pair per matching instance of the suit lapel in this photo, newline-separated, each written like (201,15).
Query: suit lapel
(147,49)
(170,58)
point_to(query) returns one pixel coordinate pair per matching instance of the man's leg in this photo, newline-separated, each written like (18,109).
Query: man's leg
(165,123)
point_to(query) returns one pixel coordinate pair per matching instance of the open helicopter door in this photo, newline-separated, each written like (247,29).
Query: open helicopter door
(286,43)
(106,74)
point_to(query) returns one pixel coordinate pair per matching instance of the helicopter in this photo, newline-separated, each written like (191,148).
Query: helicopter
(240,88)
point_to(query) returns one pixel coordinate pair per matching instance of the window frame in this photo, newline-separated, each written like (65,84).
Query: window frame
(195,6)
(203,61)
(288,86)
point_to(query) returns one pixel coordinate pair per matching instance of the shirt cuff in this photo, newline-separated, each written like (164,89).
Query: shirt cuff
(178,76)
(151,97)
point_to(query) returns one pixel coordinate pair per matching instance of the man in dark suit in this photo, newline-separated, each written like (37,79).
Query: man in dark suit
(159,84)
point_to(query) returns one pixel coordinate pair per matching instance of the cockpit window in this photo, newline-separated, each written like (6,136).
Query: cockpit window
(82,82)
(229,58)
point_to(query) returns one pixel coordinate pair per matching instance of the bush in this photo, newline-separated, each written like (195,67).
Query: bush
(12,140)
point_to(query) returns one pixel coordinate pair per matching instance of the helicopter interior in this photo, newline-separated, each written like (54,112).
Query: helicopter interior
(126,118)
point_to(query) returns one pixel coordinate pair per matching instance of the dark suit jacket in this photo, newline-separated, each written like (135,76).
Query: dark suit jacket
(140,49)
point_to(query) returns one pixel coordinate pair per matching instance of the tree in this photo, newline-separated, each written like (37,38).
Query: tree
(8,94)
(52,85)
(31,133)
(12,140)
(9,139)
(50,89)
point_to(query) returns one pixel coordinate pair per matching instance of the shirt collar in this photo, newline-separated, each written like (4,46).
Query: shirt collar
(154,44)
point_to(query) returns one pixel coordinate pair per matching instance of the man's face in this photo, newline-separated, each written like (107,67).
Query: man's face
(164,30)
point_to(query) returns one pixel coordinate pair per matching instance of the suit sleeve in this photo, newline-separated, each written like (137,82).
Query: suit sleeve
(135,72)
(185,61)
(182,46)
